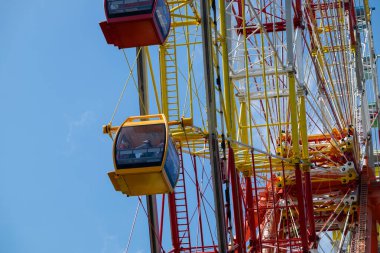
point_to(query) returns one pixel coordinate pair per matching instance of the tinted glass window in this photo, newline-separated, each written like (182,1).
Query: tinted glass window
(140,146)
(162,15)
(123,8)
(172,164)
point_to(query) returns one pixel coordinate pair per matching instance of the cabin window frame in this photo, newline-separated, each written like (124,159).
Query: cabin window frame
(131,13)
(138,150)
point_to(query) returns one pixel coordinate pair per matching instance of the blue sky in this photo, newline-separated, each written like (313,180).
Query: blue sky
(59,84)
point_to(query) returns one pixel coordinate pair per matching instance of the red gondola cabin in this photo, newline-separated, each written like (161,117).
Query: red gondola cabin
(134,23)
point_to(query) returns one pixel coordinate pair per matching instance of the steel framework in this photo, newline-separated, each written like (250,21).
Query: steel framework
(282,97)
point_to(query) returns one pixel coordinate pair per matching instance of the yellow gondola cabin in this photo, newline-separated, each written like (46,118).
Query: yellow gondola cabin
(145,158)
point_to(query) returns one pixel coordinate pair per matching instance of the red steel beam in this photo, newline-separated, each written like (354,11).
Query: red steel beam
(173,222)
(268,27)
(250,214)
(275,207)
(352,21)
(162,217)
(310,209)
(257,201)
(236,202)
(301,208)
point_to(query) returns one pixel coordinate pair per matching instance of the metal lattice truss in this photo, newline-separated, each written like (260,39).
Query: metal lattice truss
(293,81)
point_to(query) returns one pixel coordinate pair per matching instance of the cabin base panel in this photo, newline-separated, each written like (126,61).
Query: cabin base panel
(131,34)
(141,184)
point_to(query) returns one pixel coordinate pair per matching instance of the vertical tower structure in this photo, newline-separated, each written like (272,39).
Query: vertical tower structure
(296,101)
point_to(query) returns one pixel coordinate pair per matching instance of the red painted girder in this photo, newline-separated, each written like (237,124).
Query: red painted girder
(268,27)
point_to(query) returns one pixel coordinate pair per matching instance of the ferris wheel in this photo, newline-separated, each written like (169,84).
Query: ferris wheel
(260,135)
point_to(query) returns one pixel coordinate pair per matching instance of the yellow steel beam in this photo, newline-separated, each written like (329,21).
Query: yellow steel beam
(164,92)
(367,11)
(303,133)
(228,86)
(293,106)
(331,49)
(184,23)
(182,16)
(266,125)
(153,79)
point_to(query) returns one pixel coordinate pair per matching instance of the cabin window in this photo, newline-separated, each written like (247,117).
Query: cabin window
(172,163)
(124,8)
(140,146)
(162,15)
